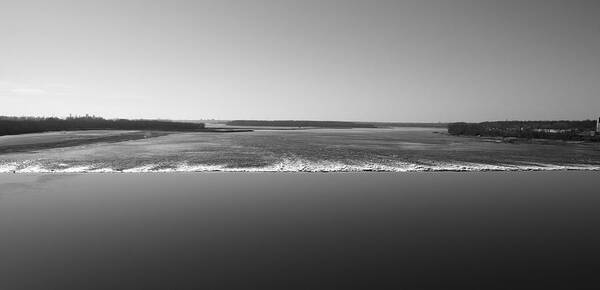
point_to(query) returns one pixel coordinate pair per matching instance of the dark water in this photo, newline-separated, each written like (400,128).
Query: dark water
(435,230)
(405,149)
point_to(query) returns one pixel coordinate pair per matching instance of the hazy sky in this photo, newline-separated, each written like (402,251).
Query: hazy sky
(414,60)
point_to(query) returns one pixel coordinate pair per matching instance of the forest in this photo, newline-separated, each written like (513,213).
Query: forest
(23,125)
(562,130)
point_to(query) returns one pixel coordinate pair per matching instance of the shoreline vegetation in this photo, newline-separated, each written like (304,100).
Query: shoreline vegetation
(24,134)
(513,131)
(24,125)
(27,125)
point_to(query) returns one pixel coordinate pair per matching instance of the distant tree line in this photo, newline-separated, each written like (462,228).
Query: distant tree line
(563,130)
(290,123)
(410,125)
(23,125)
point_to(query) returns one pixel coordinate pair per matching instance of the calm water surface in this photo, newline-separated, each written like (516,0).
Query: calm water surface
(427,230)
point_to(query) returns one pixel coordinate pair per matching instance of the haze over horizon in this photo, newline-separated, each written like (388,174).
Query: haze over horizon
(403,61)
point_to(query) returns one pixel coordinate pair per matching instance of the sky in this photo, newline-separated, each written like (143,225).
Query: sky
(406,61)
